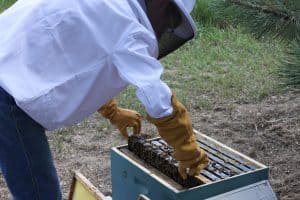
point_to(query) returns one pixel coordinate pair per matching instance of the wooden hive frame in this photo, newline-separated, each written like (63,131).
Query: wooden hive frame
(83,189)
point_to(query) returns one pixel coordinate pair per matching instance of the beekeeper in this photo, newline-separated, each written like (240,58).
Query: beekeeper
(60,61)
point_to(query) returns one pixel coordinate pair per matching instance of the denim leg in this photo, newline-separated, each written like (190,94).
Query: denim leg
(25,158)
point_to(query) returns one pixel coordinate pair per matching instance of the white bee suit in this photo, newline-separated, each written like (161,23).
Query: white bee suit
(62,60)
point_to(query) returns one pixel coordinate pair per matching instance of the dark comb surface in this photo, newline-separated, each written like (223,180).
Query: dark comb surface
(158,154)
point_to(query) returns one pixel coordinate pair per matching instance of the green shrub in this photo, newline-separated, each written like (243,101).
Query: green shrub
(289,71)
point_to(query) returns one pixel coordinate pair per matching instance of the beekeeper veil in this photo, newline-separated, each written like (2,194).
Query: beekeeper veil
(174,37)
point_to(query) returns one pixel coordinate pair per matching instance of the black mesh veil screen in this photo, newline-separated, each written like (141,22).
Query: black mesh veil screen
(178,30)
(168,43)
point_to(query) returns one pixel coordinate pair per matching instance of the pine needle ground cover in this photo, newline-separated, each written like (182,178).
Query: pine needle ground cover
(227,80)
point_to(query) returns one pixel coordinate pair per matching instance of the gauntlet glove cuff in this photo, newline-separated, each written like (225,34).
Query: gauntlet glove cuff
(177,131)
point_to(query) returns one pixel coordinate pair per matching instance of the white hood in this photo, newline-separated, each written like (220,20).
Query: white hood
(183,33)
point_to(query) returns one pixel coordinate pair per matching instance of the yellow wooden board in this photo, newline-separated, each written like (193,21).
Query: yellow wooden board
(83,189)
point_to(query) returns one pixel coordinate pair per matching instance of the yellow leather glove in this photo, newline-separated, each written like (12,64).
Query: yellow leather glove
(121,118)
(177,131)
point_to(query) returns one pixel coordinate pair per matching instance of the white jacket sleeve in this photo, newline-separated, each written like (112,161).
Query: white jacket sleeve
(136,63)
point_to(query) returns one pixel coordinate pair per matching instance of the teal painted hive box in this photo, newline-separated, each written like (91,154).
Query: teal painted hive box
(133,179)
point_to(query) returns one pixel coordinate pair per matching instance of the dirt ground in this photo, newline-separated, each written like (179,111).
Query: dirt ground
(268,131)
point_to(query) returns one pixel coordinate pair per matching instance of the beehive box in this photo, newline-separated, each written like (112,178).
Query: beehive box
(229,170)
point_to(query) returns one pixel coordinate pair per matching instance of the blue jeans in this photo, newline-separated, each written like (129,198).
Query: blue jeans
(25,158)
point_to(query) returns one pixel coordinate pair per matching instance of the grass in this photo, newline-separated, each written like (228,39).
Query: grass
(227,63)
(202,12)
